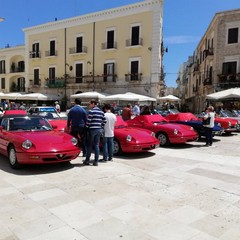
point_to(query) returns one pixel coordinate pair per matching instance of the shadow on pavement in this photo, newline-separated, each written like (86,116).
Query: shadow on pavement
(34,169)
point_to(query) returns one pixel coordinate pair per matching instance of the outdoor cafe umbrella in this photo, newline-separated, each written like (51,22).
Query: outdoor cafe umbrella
(169,98)
(229,94)
(93,94)
(39,97)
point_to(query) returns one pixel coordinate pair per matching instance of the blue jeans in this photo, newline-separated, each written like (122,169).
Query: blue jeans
(93,142)
(208,134)
(107,148)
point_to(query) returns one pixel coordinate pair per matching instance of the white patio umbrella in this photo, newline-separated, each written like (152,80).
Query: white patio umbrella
(12,96)
(39,96)
(170,98)
(93,94)
(129,96)
(232,93)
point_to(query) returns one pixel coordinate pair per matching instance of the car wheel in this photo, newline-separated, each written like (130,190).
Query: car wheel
(163,138)
(117,150)
(12,156)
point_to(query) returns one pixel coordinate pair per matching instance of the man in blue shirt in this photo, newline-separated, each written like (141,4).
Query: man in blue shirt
(95,123)
(76,122)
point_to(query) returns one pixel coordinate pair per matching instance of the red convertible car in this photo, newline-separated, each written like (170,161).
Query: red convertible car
(128,139)
(167,133)
(51,115)
(32,140)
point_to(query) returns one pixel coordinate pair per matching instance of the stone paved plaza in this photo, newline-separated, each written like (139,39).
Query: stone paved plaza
(186,192)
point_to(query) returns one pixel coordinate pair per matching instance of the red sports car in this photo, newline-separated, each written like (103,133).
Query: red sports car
(167,133)
(51,115)
(128,139)
(32,140)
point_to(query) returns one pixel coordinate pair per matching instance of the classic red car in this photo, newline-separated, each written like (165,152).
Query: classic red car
(229,125)
(128,139)
(167,133)
(51,115)
(32,140)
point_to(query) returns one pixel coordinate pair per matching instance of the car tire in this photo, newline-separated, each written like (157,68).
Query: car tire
(12,156)
(163,138)
(117,150)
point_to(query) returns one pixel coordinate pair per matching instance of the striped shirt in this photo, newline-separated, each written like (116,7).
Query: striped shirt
(96,118)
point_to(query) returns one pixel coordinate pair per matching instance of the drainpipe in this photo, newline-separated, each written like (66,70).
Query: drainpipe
(65,68)
(93,67)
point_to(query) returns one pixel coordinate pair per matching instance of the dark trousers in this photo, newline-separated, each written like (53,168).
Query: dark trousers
(79,134)
(208,134)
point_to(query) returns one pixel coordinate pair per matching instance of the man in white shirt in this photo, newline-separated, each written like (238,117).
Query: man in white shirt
(208,127)
(108,134)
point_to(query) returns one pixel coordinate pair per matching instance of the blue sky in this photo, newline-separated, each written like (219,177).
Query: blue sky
(184,22)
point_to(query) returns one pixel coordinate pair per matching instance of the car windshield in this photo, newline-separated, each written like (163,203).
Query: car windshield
(48,115)
(28,124)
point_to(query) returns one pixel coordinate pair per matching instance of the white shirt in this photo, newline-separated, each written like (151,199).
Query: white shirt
(212,115)
(109,126)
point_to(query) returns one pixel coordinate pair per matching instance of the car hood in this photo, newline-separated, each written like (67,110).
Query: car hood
(141,135)
(44,141)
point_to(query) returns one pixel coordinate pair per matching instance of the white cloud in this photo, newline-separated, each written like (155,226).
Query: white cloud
(180,39)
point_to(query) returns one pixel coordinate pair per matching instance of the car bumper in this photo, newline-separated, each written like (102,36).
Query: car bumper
(183,139)
(42,158)
(128,147)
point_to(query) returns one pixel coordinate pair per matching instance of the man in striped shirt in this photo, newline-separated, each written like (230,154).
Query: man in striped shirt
(95,124)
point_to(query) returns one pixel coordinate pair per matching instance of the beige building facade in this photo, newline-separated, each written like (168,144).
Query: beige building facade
(12,69)
(215,64)
(112,51)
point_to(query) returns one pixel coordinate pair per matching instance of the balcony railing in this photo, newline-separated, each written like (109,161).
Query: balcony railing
(133,77)
(50,53)
(207,81)
(34,55)
(75,50)
(112,45)
(55,83)
(131,42)
(208,52)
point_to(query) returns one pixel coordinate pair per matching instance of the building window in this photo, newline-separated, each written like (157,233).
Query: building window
(2,67)
(79,44)
(52,75)
(229,68)
(79,73)
(232,35)
(110,39)
(21,84)
(35,50)
(135,38)
(135,74)
(52,48)
(109,75)
(3,83)
(36,76)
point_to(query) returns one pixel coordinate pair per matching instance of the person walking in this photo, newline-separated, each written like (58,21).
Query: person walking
(57,106)
(208,124)
(76,122)
(95,124)
(108,133)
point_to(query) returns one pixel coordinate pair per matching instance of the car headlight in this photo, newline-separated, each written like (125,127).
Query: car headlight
(27,144)
(153,134)
(191,128)
(74,141)
(129,138)
(175,131)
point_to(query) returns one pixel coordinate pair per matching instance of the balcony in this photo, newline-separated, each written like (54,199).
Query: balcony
(50,53)
(78,50)
(55,83)
(107,45)
(207,81)
(134,43)
(34,55)
(133,77)
(208,52)
(229,81)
